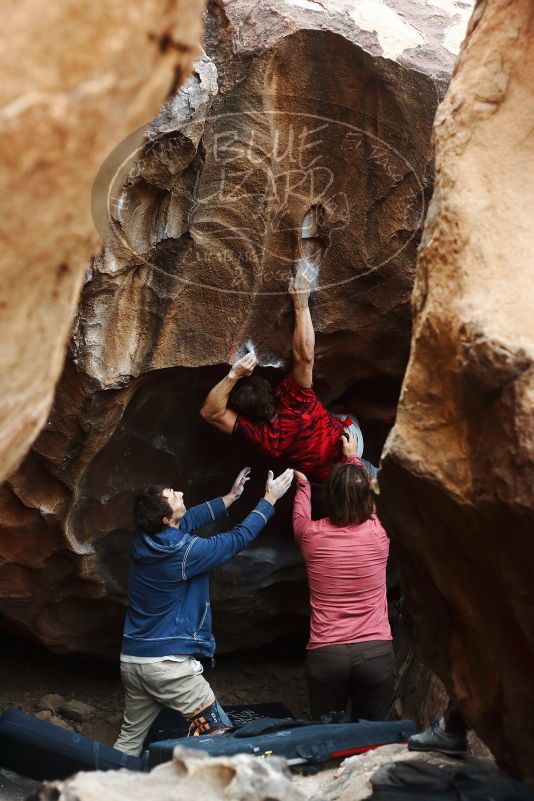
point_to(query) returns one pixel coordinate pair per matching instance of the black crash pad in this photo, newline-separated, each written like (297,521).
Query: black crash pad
(297,741)
(171,725)
(42,751)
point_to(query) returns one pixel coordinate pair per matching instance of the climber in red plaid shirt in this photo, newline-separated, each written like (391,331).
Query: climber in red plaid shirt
(289,423)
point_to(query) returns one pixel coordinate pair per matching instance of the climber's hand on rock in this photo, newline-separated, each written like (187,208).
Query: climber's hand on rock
(349,444)
(300,285)
(276,487)
(239,484)
(243,367)
(299,477)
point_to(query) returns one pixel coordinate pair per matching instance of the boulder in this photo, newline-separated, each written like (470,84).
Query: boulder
(56,720)
(78,78)
(191,774)
(72,709)
(458,469)
(354,779)
(263,158)
(429,775)
(51,702)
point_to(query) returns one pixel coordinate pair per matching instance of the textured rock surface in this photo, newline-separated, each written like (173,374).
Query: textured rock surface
(353,780)
(204,234)
(459,466)
(86,75)
(244,778)
(213,215)
(238,778)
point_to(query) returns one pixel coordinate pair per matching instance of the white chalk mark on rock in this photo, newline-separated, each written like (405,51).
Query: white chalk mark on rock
(264,360)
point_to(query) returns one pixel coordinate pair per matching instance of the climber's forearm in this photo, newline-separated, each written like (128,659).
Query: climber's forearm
(303,335)
(303,346)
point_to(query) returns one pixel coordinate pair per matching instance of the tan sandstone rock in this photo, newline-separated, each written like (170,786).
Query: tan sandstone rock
(189,775)
(353,780)
(244,777)
(458,470)
(77,77)
(303,132)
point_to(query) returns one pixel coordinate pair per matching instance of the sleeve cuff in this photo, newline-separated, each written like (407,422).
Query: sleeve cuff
(265,508)
(217,508)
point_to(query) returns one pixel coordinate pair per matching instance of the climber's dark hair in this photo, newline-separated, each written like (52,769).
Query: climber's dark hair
(149,509)
(347,495)
(253,397)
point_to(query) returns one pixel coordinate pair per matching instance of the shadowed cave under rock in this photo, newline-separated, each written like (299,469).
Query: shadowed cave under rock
(257,597)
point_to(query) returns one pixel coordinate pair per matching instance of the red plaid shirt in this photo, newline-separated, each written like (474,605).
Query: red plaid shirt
(302,433)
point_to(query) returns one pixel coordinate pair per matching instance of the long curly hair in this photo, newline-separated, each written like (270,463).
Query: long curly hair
(253,397)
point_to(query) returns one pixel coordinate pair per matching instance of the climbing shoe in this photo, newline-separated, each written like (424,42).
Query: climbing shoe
(211,719)
(435,739)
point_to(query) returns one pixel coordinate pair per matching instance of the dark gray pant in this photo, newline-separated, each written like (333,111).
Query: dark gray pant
(362,672)
(454,720)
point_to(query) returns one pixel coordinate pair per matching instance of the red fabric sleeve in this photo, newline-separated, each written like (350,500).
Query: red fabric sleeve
(352,460)
(302,522)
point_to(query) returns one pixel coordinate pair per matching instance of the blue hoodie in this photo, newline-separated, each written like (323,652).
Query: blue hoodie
(168,589)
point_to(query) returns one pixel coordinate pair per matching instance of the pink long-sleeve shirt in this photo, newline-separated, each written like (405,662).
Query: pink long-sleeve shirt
(346,567)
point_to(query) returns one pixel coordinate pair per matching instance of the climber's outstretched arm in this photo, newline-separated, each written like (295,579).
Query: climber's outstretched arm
(303,335)
(215,409)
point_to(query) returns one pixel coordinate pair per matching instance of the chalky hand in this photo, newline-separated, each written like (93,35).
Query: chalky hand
(239,484)
(277,487)
(300,286)
(243,367)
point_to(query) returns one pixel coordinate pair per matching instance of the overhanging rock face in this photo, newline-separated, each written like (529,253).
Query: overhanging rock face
(458,470)
(302,132)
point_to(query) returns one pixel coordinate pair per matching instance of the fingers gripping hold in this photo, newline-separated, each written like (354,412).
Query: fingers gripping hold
(244,366)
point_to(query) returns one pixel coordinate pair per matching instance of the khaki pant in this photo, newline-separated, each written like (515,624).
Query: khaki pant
(149,686)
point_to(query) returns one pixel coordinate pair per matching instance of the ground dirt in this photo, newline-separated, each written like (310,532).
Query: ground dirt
(29,672)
